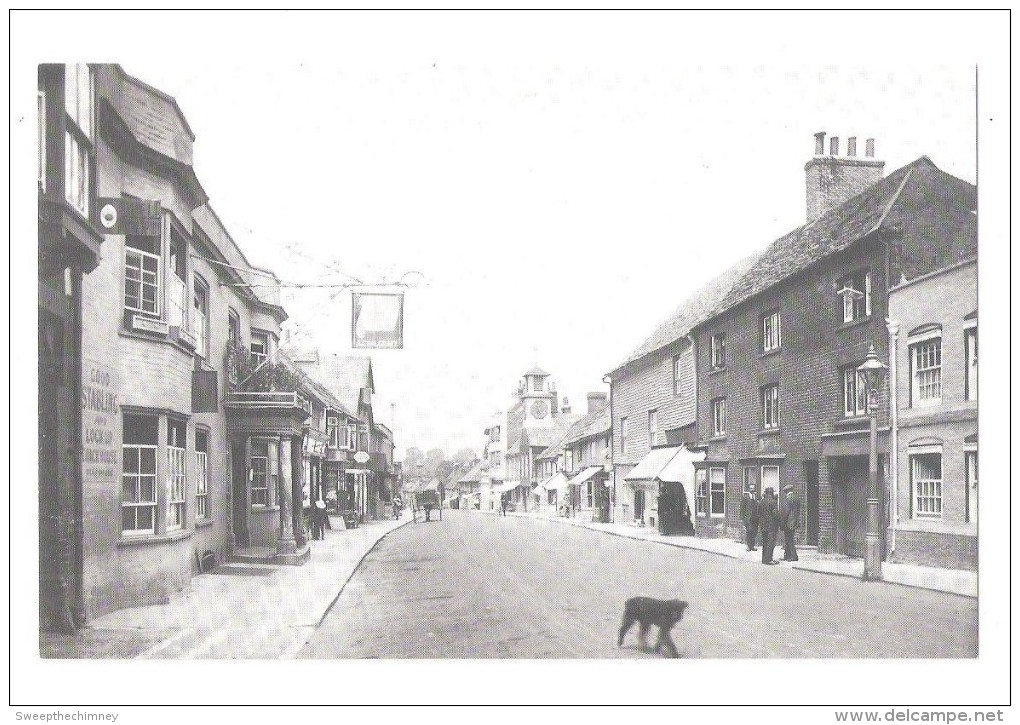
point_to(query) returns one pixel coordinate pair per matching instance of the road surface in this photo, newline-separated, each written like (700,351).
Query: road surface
(476,585)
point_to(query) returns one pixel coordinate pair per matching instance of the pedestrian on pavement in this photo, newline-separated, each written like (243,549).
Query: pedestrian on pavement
(319,520)
(769,522)
(749,514)
(789,520)
(503,503)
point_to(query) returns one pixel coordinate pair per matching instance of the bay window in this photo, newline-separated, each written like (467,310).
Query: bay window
(78,149)
(142,275)
(138,481)
(201,321)
(177,288)
(176,474)
(855,392)
(202,474)
(263,471)
(854,292)
(717,492)
(770,478)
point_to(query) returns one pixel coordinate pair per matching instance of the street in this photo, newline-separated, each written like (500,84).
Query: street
(476,585)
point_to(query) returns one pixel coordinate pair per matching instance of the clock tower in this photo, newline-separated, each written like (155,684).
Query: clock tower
(538,395)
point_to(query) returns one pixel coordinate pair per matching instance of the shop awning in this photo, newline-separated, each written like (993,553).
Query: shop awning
(681,470)
(507,486)
(556,482)
(586,474)
(650,466)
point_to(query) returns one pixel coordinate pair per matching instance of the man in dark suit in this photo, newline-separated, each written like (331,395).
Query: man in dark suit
(789,520)
(749,505)
(769,522)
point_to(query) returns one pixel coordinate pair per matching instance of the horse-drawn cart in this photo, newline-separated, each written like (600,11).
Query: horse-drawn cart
(427,500)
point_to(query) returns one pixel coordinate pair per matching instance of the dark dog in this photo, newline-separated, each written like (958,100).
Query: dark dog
(663,613)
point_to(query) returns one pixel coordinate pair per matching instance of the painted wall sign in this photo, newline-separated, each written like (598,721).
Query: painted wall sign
(100,428)
(377,320)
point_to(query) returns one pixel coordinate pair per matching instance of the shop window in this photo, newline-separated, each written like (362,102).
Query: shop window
(701,496)
(138,482)
(202,474)
(971,464)
(770,478)
(176,474)
(750,482)
(590,494)
(717,492)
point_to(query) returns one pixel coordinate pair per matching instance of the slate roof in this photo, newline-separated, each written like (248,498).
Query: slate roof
(908,193)
(536,371)
(345,376)
(547,435)
(557,446)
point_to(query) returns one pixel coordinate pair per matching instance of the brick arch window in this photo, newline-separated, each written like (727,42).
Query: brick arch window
(925,345)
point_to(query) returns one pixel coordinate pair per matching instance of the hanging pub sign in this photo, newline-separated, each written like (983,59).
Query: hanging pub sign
(119,215)
(377,320)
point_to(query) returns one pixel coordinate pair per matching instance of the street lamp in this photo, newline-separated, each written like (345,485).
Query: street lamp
(873,370)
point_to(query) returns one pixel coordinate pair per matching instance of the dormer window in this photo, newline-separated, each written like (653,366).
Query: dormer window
(854,293)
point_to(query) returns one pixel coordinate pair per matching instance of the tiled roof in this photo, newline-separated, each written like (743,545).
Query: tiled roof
(556,447)
(514,426)
(547,435)
(474,475)
(696,308)
(346,376)
(591,424)
(536,371)
(315,386)
(883,203)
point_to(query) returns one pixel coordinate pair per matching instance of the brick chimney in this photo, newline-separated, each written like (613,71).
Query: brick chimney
(566,405)
(597,402)
(832,179)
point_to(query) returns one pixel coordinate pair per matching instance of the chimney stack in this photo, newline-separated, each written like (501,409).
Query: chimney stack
(833,179)
(566,406)
(597,402)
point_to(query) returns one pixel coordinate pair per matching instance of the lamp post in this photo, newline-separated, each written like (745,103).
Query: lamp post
(873,370)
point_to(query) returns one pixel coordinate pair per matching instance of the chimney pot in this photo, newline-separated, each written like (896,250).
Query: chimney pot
(851,146)
(834,146)
(869,147)
(819,143)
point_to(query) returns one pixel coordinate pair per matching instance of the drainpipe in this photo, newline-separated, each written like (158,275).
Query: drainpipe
(612,447)
(894,329)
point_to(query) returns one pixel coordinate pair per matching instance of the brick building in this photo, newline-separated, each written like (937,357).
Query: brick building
(191,432)
(775,343)
(933,333)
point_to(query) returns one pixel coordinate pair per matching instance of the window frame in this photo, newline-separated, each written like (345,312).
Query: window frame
(718,417)
(271,478)
(846,286)
(914,347)
(970,476)
(771,335)
(860,405)
(701,490)
(258,336)
(717,351)
(157,313)
(970,357)
(716,492)
(933,490)
(770,403)
(137,502)
(79,145)
(676,374)
(653,426)
(202,512)
(200,325)
(176,476)
(623,434)
(762,485)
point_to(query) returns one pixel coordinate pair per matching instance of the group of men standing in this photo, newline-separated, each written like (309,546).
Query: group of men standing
(768,514)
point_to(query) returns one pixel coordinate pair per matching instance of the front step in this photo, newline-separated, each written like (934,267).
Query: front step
(268,555)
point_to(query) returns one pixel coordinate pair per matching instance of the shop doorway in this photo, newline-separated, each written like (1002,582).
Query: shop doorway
(239,491)
(639,505)
(849,492)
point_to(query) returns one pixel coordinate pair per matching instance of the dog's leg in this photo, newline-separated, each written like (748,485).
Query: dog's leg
(645,626)
(628,622)
(671,649)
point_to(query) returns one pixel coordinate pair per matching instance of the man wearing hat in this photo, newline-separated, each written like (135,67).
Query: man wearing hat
(769,522)
(789,520)
(749,505)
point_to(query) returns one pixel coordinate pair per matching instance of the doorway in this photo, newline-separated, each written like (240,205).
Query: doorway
(239,490)
(849,492)
(639,504)
(811,502)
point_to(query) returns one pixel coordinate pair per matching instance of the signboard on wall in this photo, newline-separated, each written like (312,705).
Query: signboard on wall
(377,320)
(119,215)
(100,422)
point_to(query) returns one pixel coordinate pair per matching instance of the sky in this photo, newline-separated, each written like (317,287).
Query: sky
(549,214)
(557,183)
(549,203)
